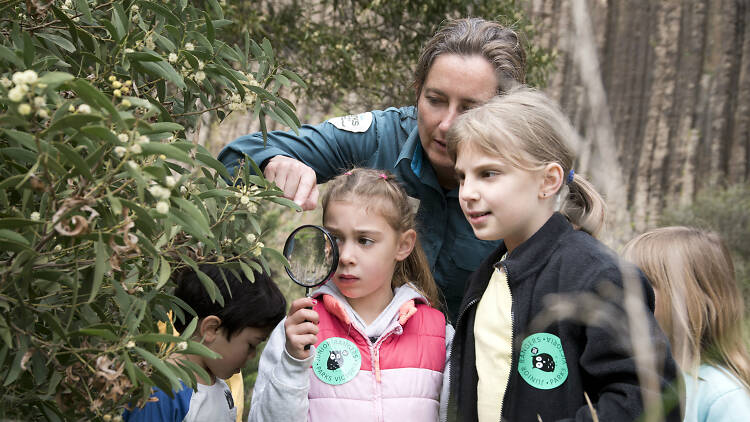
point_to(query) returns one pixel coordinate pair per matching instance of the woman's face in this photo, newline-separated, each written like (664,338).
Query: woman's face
(453,85)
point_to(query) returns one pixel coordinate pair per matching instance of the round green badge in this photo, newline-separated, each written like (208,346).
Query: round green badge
(337,360)
(541,362)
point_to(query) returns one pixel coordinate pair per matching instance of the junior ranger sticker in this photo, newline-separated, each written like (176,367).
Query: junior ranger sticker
(541,362)
(337,361)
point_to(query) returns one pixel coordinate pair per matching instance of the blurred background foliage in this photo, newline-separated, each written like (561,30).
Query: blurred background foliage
(361,53)
(723,209)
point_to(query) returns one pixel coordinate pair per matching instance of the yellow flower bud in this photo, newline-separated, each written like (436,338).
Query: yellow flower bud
(24,109)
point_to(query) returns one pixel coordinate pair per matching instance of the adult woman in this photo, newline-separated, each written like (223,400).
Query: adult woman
(464,64)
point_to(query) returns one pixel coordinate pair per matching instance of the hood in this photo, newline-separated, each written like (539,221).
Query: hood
(403,297)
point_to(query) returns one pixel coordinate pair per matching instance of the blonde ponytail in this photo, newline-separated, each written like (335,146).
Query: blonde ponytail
(583,206)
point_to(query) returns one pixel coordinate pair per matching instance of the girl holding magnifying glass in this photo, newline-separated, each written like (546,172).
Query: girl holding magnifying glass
(380,346)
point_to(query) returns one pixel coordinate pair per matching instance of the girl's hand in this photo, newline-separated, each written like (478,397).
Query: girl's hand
(301,327)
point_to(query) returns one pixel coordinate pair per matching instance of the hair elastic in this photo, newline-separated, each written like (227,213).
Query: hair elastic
(383,176)
(348,173)
(570,176)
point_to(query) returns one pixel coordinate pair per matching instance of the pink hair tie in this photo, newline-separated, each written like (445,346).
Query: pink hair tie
(383,176)
(348,173)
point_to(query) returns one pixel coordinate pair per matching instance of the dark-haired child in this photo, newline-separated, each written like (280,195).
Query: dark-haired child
(234,330)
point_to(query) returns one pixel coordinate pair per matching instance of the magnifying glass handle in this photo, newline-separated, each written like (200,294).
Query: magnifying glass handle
(307,294)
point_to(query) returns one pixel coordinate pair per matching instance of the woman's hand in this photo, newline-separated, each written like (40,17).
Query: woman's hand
(301,327)
(297,180)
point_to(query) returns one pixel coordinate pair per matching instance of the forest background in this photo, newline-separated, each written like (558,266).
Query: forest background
(108,183)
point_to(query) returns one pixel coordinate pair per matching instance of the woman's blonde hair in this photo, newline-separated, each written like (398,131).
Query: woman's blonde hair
(528,130)
(382,193)
(698,303)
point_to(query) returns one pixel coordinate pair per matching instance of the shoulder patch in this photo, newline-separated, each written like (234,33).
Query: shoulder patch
(353,123)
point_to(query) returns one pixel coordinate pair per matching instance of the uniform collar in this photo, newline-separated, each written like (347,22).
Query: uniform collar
(412,155)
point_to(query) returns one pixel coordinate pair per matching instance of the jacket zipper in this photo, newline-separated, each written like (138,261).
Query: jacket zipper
(376,351)
(512,331)
(452,397)
(375,357)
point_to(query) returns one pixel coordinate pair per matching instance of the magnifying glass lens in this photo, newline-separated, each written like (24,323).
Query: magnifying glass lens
(312,255)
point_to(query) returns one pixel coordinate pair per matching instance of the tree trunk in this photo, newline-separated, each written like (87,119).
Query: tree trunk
(677,83)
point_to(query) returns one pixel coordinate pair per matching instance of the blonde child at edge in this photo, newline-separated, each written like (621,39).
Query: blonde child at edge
(379,346)
(514,162)
(700,307)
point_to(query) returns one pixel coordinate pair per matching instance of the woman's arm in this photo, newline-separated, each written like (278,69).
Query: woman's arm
(296,162)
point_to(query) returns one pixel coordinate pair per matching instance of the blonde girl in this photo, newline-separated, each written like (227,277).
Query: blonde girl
(700,307)
(514,158)
(380,346)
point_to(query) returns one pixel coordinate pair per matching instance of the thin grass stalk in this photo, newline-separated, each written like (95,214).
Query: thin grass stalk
(644,352)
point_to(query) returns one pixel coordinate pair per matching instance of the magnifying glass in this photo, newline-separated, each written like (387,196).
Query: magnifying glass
(313,257)
(312,254)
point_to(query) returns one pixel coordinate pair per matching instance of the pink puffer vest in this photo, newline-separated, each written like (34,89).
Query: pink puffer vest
(401,374)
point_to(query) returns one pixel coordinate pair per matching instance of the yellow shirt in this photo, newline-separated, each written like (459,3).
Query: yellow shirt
(493,332)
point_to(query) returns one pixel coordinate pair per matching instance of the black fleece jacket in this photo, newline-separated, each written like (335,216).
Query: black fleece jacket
(560,260)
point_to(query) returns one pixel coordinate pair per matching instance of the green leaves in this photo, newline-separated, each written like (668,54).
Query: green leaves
(61,42)
(162,11)
(370,48)
(54,79)
(105,196)
(168,150)
(95,98)
(143,57)
(10,57)
(160,366)
(100,256)
(162,70)
(11,236)
(71,121)
(120,22)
